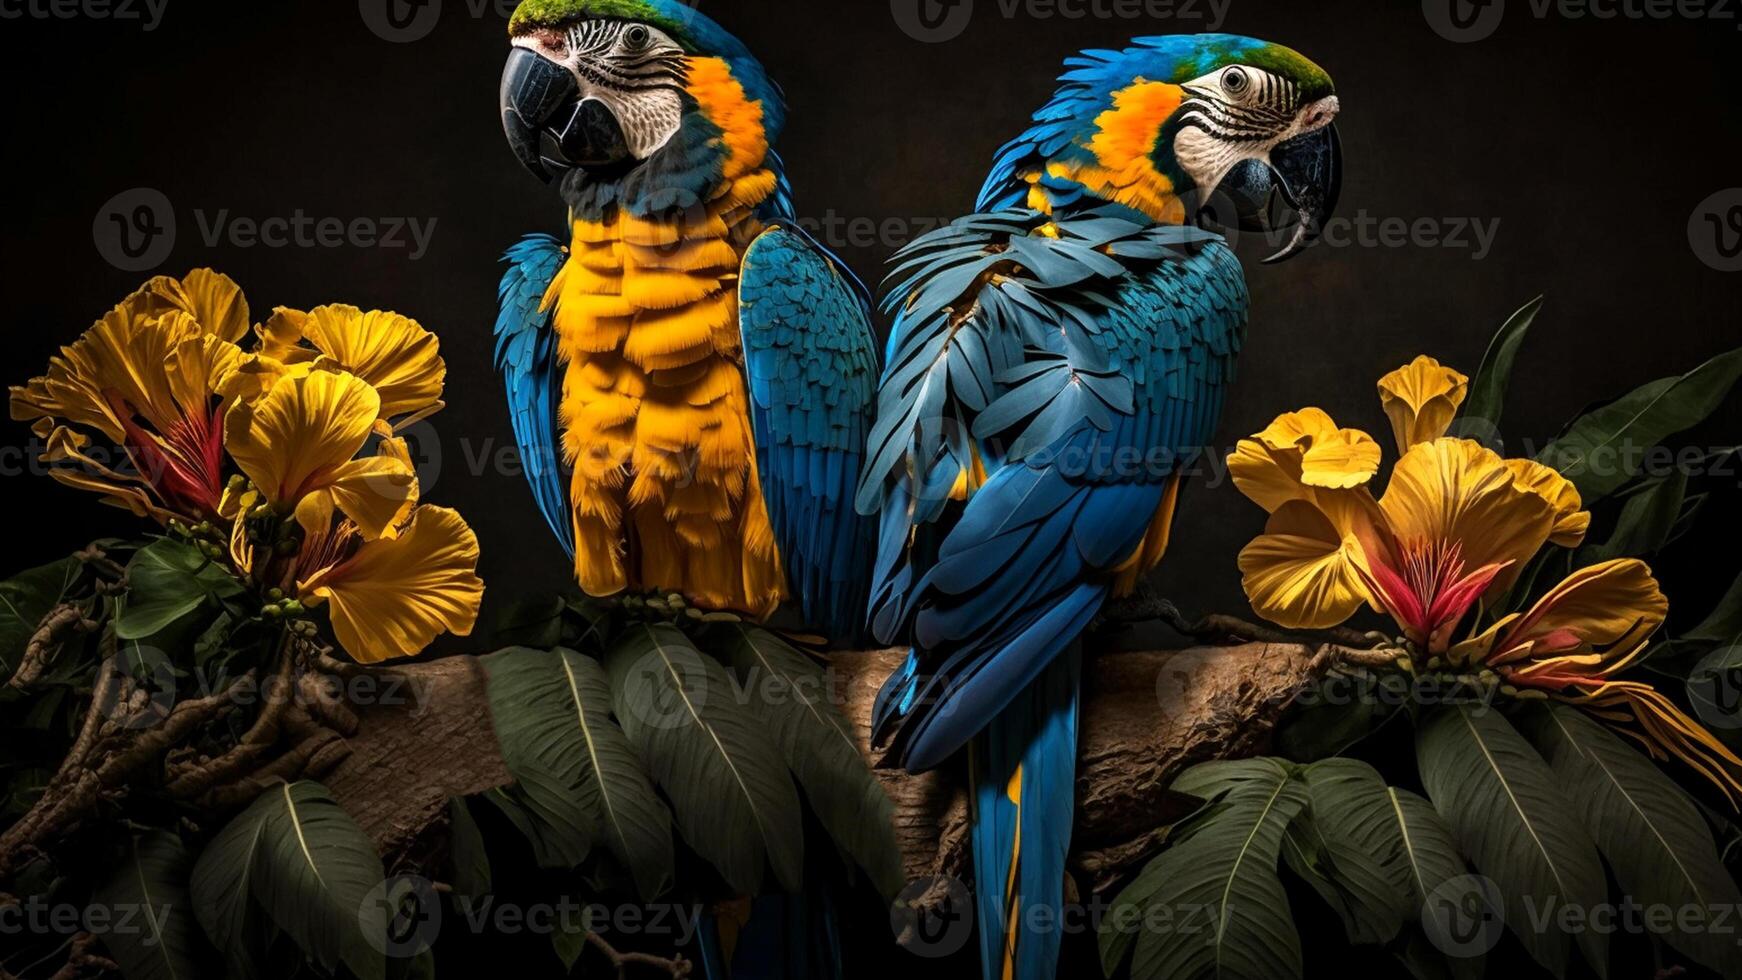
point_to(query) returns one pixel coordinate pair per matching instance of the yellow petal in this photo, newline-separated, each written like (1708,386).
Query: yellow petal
(393,353)
(377,494)
(1456,491)
(1666,730)
(1300,574)
(211,298)
(1421,399)
(281,336)
(72,466)
(1302,450)
(299,438)
(119,359)
(199,368)
(1612,608)
(1572,521)
(394,596)
(1341,460)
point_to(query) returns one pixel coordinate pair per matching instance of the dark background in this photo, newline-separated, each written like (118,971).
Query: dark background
(1591,142)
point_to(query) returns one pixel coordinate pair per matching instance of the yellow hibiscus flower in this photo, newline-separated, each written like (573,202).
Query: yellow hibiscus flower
(149,378)
(1456,523)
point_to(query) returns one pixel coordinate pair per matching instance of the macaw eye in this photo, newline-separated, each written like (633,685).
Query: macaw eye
(636,37)
(1236,82)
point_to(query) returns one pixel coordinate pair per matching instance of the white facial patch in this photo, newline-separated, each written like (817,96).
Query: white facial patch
(635,70)
(1232,115)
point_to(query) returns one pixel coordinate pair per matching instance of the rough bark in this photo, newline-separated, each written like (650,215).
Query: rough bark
(1146,716)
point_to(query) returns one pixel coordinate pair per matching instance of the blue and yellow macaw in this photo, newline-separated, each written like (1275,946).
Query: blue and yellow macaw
(1060,359)
(691,377)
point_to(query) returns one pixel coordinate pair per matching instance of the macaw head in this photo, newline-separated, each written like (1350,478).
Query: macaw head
(646,103)
(1172,125)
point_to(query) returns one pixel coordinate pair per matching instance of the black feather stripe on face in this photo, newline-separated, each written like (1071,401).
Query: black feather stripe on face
(598,51)
(1266,109)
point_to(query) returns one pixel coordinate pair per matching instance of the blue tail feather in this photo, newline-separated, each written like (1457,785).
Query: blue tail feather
(1037,734)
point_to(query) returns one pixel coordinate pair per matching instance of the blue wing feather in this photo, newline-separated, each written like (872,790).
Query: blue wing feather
(1082,379)
(811,361)
(526,356)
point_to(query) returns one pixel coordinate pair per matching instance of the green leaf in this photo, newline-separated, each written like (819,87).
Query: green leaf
(297,858)
(469,857)
(161,941)
(1341,845)
(1487,399)
(25,599)
(1724,625)
(1647,520)
(167,580)
(1603,450)
(1434,870)
(792,692)
(1662,851)
(734,800)
(1212,905)
(1343,710)
(576,771)
(532,621)
(1510,816)
(569,941)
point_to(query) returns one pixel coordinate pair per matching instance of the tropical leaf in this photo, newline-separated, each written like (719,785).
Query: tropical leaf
(1650,832)
(25,599)
(531,621)
(167,580)
(1212,905)
(1603,450)
(1487,399)
(302,862)
(575,770)
(1724,624)
(467,854)
(818,746)
(1511,818)
(163,941)
(1438,881)
(1647,521)
(1341,845)
(734,800)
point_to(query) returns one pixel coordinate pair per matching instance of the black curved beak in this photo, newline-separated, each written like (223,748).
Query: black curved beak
(1306,174)
(549,126)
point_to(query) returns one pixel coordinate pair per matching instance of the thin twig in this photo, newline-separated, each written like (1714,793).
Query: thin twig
(676,967)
